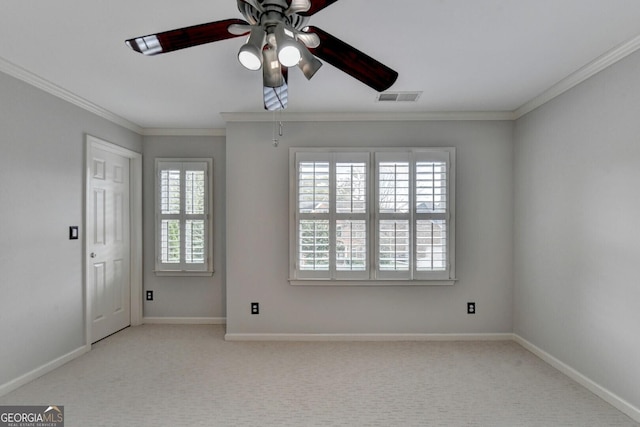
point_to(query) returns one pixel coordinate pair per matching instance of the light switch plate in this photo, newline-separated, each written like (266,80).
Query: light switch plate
(73,232)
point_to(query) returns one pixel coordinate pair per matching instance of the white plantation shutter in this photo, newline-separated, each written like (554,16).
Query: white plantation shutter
(351,215)
(394,243)
(378,214)
(432,214)
(313,216)
(331,215)
(393,215)
(183,219)
(412,215)
(195,213)
(170,201)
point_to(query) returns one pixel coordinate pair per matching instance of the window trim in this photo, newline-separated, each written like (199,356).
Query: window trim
(199,270)
(373,276)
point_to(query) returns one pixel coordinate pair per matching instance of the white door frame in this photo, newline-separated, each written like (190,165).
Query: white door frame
(135,194)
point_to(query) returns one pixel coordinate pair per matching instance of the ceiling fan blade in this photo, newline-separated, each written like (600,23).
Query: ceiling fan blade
(317,6)
(352,61)
(181,38)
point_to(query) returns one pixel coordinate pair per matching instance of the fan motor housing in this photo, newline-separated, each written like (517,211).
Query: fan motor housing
(270,13)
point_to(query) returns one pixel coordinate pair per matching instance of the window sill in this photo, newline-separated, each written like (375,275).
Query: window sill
(381,282)
(175,273)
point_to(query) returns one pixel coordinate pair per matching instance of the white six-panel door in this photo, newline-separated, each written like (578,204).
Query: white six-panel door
(109,283)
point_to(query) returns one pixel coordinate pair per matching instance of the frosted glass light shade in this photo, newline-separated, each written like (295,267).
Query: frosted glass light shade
(289,55)
(248,57)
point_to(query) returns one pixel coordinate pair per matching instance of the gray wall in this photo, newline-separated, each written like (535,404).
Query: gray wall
(577,228)
(257,234)
(42,141)
(185,296)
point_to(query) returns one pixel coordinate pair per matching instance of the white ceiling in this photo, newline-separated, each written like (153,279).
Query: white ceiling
(465,55)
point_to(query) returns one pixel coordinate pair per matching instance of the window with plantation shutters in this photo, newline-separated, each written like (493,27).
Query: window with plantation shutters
(183,220)
(331,215)
(414,212)
(372,215)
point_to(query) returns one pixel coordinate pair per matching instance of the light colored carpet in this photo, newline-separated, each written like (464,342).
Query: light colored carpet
(167,375)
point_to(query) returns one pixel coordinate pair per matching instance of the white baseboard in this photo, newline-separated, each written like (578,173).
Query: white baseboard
(606,395)
(368,337)
(184,320)
(38,372)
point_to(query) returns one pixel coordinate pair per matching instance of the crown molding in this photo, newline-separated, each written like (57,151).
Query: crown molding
(47,86)
(183,132)
(604,61)
(368,117)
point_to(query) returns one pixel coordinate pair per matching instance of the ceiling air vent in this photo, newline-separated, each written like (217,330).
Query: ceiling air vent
(398,97)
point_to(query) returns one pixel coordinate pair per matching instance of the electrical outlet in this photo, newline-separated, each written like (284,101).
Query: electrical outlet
(255,308)
(149,295)
(471,308)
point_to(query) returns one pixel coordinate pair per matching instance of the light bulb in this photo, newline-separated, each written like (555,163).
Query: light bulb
(289,55)
(249,58)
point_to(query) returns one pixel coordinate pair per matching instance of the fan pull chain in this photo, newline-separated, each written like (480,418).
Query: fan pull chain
(280,126)
(275,140)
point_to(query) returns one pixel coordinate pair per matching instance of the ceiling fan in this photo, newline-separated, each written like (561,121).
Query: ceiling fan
(279,38)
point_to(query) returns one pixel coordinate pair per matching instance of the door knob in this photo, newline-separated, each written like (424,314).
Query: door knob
(93,255)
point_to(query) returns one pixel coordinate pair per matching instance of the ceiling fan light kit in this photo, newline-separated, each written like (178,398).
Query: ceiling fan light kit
(288,51)
(279,38)
(250,54)
(309,64)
